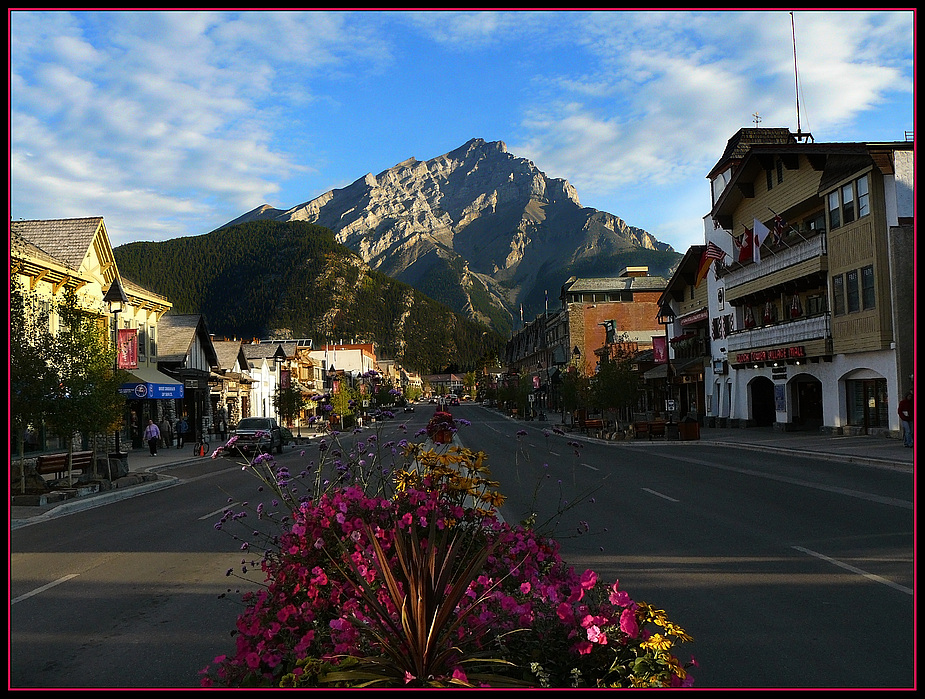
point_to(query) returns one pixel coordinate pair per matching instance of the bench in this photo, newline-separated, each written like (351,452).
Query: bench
(589,425)
(57,463)
(657,429)
(640,428)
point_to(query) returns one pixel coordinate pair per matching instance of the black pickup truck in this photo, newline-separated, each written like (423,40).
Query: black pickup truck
(257,435)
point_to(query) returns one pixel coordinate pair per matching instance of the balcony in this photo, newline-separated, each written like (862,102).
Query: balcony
(784,333)
(803,259)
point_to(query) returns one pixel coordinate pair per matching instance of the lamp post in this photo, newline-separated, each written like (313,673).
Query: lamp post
(116,299)
(666,317)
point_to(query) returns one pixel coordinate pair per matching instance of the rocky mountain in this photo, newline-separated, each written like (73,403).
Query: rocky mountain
(478,229)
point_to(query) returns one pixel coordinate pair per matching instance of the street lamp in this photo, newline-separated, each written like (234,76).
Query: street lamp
(116,299)
(666,317)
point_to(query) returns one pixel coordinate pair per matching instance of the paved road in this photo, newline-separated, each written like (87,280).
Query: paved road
(877,451)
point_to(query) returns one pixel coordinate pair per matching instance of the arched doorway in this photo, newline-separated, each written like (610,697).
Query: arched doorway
(806,394)
(763,412)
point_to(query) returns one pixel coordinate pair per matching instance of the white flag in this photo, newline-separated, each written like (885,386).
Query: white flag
(760,232)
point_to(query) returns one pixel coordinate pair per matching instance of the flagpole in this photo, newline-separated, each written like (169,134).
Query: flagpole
(788,226)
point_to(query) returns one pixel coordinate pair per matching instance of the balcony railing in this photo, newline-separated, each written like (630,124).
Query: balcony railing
(771,262)
(783,333)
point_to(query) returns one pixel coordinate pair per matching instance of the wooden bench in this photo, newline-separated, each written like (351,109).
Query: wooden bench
(57,463)
(640,429)
(589,425)
(657,429)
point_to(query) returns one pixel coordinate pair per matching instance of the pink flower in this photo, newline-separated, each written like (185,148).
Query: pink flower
(584,647)
(628,623)
(459,674)
(588,579)
(564,612)
(525,588)
(595,635)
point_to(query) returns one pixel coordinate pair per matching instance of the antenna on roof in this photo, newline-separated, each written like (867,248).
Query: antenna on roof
(756,118)
(796,79)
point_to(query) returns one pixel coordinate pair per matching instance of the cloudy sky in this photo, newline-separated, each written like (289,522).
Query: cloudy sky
(171,124)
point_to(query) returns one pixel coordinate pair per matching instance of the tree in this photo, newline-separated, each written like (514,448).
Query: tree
(616,385)
(31,379)
(87,398)
(289,402)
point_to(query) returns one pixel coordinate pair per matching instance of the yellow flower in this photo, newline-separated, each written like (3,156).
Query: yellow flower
(657,642)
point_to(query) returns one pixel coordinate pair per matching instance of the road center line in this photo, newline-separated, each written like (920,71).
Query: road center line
(869,576)
(654,492)
(43,588)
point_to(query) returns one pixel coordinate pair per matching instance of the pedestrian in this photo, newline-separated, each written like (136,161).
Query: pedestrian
(166,433)
(182,427)
(905,418)
(152,437)
(222,423)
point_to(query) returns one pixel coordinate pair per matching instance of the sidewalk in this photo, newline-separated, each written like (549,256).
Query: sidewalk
(143,474)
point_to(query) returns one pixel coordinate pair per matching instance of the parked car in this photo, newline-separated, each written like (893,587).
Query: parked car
(409,408)
(257,435)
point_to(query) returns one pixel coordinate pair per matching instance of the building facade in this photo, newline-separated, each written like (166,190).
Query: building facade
(811,310)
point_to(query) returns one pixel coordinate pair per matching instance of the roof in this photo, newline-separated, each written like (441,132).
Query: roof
(176,335)
(226,352)
(66,240)
(602,284)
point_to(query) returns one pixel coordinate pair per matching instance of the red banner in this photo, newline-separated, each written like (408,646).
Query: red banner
(659,349)
(127,349)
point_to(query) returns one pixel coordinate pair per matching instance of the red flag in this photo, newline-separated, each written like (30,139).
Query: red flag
(744,246)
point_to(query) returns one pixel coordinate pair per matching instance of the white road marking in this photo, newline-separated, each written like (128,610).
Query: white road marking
(659,494)
(869,576)
(43,588)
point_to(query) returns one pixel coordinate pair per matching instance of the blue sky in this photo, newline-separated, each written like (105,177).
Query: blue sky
(170,124)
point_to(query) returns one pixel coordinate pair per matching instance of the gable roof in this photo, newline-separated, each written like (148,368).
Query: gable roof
(176,335)
(67,240)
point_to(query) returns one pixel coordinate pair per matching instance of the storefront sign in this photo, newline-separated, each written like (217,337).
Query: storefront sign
(695,317)
(772,355)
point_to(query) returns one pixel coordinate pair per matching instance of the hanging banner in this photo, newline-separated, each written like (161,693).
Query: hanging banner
(127,348)
(659,350)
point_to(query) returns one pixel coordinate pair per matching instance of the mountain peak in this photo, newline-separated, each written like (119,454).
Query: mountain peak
(478,228)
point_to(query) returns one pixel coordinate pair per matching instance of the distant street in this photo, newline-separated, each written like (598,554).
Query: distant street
(787,572)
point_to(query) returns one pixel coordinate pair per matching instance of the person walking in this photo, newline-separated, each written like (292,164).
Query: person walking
(166,429)
(152,437)
(905,411)
(182,428)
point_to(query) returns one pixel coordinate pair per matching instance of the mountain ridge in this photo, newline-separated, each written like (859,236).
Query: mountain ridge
(477,228)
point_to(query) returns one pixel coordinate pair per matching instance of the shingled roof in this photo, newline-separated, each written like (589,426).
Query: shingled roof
(66,240)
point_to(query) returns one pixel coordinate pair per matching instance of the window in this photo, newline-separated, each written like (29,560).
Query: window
(863,198)
(851,285)
(767,174)
(868,296)
(847,203)
(834,211)
(142,342)
(838,294)
(780,171)
(815,304)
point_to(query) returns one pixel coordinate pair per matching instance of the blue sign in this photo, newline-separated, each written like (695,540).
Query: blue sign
(152,391)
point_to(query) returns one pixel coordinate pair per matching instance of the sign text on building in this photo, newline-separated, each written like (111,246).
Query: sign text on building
(772,355)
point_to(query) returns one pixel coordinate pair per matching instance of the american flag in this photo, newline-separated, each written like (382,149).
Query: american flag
(714,252)
(778,228)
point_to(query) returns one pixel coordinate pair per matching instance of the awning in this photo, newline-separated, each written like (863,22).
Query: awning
(151,384)
(679,367)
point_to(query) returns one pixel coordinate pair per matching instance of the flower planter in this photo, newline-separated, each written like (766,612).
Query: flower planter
(442,437)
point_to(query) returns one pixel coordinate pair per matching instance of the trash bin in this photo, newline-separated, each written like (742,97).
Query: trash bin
(688,429)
